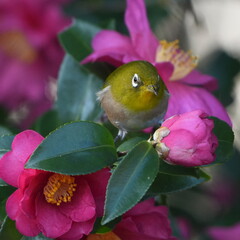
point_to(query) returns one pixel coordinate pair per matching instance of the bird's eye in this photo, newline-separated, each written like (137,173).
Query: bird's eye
(135,80)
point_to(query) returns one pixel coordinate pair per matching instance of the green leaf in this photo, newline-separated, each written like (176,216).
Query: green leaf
(177,170)
(129,144)
(4,131)
(75,148)
(76,40)
(77,89)
(47,123)
(99,228)
(5,144)
(225,137)
(2,183)
(8,230)
(39,237)
(5,192)
(130,180)
(165,183)
(3,212)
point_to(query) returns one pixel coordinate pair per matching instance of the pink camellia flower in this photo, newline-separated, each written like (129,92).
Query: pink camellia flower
(187,139)
(30,55)
(176,67)
(56,205)
(224,233)
(145,221)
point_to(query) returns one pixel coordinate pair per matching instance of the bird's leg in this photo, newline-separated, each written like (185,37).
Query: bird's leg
(121,135)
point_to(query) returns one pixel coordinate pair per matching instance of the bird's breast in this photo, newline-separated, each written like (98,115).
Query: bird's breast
(142,101)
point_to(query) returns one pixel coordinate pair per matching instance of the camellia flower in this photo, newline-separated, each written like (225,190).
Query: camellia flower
(60,206)
(145,221)
(224,233)
(30,55)
(187,139)
(176,67)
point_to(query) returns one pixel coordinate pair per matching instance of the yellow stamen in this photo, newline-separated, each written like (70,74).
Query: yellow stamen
(59,189)
(184,62)
(16,45)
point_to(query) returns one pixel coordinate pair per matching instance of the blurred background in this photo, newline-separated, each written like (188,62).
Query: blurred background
(30,57)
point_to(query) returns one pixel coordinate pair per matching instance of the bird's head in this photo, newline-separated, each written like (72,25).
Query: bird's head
(136,85)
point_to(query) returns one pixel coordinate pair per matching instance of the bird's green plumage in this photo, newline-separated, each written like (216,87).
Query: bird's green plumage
(139,98)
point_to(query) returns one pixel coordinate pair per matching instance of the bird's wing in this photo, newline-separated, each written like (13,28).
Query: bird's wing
(101,93)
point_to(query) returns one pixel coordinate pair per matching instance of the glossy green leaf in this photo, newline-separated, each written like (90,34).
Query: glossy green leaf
(76,39)
(129,144)
(177,170)
(225,137)
(8,230)
(75,148)
(5,144)
(166,183)
(130,180)
(77,89)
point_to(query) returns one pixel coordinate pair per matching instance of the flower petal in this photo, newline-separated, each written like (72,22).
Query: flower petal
(52,222)
(225,232)
(184,98)
(12,205)
(112,47)
(152,228)
(127,229)
(197,78)
(142,37)
(142,207)
(98,188)
(23,146)
(34,185)
(27,226)
(165,70)
(78,229)
(82,206)
(107,39)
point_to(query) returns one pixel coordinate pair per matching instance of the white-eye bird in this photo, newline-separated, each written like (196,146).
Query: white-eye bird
(134,97)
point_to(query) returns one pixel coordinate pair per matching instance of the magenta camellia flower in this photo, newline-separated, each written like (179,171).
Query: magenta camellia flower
(187,139)
(56,205)
(30,55)
(176,67)
(145,221)
(224,233)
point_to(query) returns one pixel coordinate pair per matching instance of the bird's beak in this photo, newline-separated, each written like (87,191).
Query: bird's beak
(153,88)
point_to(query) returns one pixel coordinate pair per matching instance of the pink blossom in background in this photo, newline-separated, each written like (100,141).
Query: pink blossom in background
(176,67)
(67,211)
(30,54)
(145,221)
(187,139)
(225,233)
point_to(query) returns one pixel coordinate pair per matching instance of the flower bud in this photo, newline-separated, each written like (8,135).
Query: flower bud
(187,139)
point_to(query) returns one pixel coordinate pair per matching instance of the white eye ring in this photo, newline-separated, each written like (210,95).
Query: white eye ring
(135,80)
